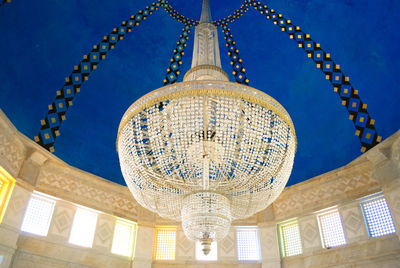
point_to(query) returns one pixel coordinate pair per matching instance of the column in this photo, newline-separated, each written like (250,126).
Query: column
(269,244)
(143,256)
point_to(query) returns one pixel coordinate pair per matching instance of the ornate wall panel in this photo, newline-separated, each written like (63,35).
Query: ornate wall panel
(104,232)
(77,186)
(61,223)
(185,248)
(346,182)
(12,150)
(309,232)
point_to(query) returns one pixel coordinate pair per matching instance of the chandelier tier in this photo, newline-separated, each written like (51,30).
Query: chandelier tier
(206,151)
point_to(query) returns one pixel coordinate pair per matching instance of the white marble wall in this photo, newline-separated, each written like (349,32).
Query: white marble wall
(36,169)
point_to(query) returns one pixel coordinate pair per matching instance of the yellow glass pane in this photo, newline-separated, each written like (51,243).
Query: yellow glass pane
(7,183)
(165,243)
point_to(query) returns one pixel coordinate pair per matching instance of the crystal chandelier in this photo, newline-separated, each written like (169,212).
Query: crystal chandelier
(206,151)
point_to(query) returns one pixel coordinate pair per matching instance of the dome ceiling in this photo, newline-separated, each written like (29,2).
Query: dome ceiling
(41,41)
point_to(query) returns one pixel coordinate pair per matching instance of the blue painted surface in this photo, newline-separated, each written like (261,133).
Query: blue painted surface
(41,41)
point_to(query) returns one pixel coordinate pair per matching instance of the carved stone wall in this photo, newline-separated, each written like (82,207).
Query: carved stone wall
(36,169)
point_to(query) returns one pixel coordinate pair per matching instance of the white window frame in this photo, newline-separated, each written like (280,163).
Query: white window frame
(282,238)
(372,198)
(257,241)
(132,237)
(76,234)
(41,228)
(156,257)
(323,231)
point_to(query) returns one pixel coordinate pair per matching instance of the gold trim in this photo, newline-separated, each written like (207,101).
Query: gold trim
(204,92)
(206,214)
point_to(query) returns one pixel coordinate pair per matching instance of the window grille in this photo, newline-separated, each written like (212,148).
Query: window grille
(377,217)
(248,244)
(38,214)
(290,238)
(165,243)
(331,228)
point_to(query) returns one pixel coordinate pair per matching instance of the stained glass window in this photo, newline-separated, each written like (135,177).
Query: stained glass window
(165,243)
(124,237)
(6,186)
(290,238)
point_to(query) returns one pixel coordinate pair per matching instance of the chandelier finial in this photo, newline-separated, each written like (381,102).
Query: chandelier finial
(206,61)
(205,12)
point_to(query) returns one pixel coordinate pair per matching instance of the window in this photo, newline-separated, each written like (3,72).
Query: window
(7,183)
(290,238)
(331,228)
(248,244)
(38,214)
(212,255)
(377,217)
(83,227)
(165,243)
(124,237)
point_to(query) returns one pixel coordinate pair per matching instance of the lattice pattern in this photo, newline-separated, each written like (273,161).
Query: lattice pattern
(38,215)
(357,110)
(331,229)
(165,244)
(124,237)
(50,126)
(378,217)
(176,61)
(290,239)
(248,244)
(83,227)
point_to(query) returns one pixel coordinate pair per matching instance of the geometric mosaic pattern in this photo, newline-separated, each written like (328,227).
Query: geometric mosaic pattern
(176,60)
(174,14)
(235,15)
(238,70)
(364,124)
(237,64)
(50,125)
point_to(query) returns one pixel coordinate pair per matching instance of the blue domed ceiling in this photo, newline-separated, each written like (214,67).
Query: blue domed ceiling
(42,41)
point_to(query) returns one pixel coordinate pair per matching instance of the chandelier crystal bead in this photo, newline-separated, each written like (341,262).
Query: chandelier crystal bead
(206,151)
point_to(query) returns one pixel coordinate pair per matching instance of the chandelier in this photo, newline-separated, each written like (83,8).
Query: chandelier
(206,151)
